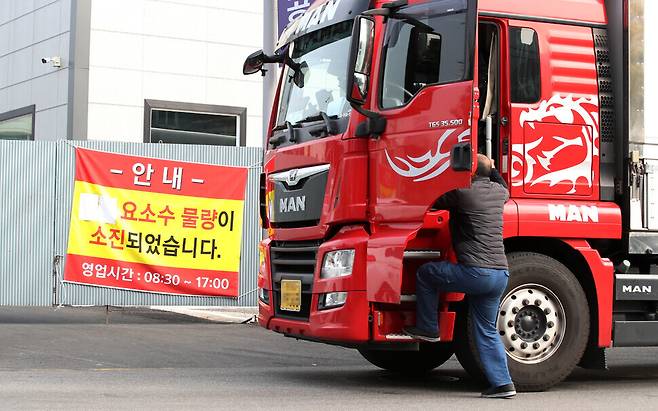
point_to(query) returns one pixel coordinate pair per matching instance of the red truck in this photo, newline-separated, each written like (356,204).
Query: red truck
(381,108)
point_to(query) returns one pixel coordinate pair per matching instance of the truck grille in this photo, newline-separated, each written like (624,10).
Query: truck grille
(293,260)
(298,204)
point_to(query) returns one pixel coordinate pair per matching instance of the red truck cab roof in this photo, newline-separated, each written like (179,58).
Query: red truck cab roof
(590,12)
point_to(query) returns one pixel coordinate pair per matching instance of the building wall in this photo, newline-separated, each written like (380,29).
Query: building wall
(30,30)
(176,50)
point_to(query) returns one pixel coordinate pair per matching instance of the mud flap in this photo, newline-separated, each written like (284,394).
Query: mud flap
(594,358)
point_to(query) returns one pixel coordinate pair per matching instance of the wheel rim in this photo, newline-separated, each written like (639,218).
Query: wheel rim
(531,323)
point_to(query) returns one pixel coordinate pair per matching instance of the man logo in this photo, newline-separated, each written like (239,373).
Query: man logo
(584,214)
(289,204)
(292,177)
(636,289)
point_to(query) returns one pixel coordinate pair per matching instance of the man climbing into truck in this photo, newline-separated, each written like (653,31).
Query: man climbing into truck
(476,225)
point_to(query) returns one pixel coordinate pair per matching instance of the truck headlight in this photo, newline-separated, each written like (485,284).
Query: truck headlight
(332,300)
(337,263)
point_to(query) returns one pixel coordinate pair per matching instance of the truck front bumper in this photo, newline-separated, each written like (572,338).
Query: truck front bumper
(345,324)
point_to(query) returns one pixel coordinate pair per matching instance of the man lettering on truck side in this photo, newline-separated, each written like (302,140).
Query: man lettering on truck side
(476,226)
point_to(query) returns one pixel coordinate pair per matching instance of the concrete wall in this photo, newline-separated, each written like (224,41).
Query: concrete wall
(30,30)
(177,50)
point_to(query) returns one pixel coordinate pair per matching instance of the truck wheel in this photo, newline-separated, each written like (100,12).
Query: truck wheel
(428,357)
(543,322)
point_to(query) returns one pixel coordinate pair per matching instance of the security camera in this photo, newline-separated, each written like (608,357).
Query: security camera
(56,61)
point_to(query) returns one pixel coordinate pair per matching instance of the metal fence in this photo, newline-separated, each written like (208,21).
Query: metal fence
(36,191)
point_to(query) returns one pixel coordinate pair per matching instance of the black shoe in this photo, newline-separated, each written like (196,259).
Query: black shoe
(421,334)
(502,391)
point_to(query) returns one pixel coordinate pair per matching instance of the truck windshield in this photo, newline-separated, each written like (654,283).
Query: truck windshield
(323,56)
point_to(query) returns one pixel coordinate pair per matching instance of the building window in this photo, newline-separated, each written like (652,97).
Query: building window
(188,123)
(17,124)
(525,76)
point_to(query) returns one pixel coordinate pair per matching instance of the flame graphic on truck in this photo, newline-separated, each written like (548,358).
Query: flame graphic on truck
(552,165)
(428,165)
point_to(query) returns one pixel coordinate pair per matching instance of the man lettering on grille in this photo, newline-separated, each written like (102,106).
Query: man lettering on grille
(476,226)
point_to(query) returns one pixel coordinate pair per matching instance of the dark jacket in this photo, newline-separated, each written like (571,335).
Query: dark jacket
(476,221)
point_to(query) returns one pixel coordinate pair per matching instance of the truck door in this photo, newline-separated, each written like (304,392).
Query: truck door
(424,88)
(425,91)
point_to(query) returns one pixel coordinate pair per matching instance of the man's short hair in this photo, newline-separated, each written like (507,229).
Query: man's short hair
(484,166)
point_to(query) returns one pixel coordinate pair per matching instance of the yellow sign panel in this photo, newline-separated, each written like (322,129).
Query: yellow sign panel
(156,229)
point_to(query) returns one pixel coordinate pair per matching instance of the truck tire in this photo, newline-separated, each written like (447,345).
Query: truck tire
(428,357)
(543,322)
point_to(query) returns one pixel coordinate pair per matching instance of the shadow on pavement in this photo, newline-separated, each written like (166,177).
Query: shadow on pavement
(454,380)
(92,315)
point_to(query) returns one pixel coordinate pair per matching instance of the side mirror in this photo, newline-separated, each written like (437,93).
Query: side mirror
(299,75)
(358,73)
(254,63)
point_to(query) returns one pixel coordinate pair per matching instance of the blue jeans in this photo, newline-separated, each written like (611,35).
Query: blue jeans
(484,287)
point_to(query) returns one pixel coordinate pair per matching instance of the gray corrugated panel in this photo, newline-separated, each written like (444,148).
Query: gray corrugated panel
(27,183)
(74,294)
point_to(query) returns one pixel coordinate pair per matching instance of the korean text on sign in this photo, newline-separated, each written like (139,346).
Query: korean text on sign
(155,225)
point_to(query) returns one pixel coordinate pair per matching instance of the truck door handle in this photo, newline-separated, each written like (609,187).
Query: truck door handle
(461,157)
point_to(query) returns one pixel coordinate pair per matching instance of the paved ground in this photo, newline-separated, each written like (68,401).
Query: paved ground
(70,359)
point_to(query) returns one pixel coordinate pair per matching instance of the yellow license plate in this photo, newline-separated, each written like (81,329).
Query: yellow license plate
(291,295)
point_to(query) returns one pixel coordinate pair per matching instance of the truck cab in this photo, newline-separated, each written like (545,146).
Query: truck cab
(381,108)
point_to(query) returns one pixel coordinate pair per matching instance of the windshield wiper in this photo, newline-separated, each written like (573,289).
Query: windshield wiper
(276,140)
(329,126)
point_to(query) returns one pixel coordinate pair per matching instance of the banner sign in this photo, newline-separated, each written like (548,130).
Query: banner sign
(155,225)
(289,10)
